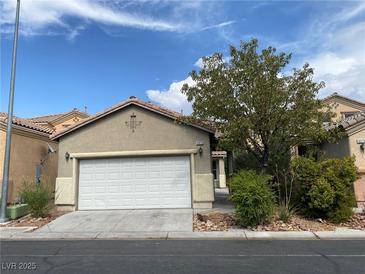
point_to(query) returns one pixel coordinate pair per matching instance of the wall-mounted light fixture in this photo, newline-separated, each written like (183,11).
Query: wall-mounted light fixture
(67,155)
(361,142)
(200,143)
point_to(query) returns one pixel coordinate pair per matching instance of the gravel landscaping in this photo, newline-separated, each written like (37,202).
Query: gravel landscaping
(216,221)
(29,221)
(213,221)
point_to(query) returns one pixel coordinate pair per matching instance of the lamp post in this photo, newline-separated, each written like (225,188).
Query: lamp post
(4,195)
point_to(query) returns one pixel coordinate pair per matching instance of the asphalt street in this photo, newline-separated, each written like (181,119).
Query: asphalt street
(183,256)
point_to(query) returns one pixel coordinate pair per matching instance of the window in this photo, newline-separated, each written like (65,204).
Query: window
(346,115)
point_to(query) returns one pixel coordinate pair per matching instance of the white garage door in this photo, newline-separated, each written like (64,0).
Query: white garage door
(125,183)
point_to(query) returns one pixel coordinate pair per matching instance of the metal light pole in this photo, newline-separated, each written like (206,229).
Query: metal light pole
(4,195)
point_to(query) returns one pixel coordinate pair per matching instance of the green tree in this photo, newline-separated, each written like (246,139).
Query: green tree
(256,105)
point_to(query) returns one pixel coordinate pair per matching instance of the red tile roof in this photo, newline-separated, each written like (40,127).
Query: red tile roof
(53,117)
(26,123)
(348,122)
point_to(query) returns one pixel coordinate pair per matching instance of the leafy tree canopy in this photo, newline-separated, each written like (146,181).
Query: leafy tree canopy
(256,105)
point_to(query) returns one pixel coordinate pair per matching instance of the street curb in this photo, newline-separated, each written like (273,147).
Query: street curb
(280,235)
(208,235)
(215,235)
(340,234)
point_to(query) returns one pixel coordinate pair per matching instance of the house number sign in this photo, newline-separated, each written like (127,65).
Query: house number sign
(133,123)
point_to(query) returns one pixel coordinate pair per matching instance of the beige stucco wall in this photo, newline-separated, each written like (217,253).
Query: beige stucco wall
(356,150)
(65,123)
(156,132)
(348,147)
(27,149)
(339,107)
(2,151)
(359,185)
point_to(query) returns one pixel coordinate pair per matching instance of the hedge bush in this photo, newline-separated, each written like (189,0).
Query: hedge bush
(38,197)
(252,197)
(325,187)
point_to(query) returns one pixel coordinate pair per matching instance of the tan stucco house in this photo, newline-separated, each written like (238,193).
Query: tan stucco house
(350,116)
(58,122)
(29,145)
(134,155)
(343,107)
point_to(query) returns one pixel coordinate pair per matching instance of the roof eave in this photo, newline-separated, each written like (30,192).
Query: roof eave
(28,129)
(118,107)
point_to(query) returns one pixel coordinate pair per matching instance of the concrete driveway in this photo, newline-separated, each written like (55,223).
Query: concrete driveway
(152,220)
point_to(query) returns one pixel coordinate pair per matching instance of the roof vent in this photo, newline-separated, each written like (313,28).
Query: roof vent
(132,97)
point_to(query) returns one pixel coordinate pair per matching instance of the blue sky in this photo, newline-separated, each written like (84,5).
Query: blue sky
(97,53)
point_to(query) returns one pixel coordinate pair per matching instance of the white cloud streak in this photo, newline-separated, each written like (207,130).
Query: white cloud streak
(70,17)
(36,16)
(217,26)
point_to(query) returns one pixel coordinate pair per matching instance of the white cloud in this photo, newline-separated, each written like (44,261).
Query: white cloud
(342,67)
(173,98)
(217,26)
(334,45)
(350,13)
(330,63)
(75,32)
(36,16)
(350,83)
(62,17)
(199,63)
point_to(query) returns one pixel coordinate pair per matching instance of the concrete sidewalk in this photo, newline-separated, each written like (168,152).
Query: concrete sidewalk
(17,234)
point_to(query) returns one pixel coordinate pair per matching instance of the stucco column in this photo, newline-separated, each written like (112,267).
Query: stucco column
(75,182)
(359,188)
(222,173)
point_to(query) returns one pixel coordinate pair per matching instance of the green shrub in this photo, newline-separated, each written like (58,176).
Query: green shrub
(321,195)
(325,187)
(252,197)
(306,171)
(38,197)
(246,160)
(344,212)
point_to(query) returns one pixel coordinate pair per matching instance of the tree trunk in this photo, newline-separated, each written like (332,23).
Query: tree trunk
(265,159)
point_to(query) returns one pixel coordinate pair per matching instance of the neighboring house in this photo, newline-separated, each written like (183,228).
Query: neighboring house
(134,155)
(58,122)
(352,144)
(343,107)
(29,145)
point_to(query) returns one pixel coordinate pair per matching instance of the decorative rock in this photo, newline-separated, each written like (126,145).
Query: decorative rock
(223,221)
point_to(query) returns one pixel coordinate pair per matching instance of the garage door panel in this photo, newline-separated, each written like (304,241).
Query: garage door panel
(86,190)
(150,182)
(126,175)
(113,189)
(100,189)
(154,188)
(114,175)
